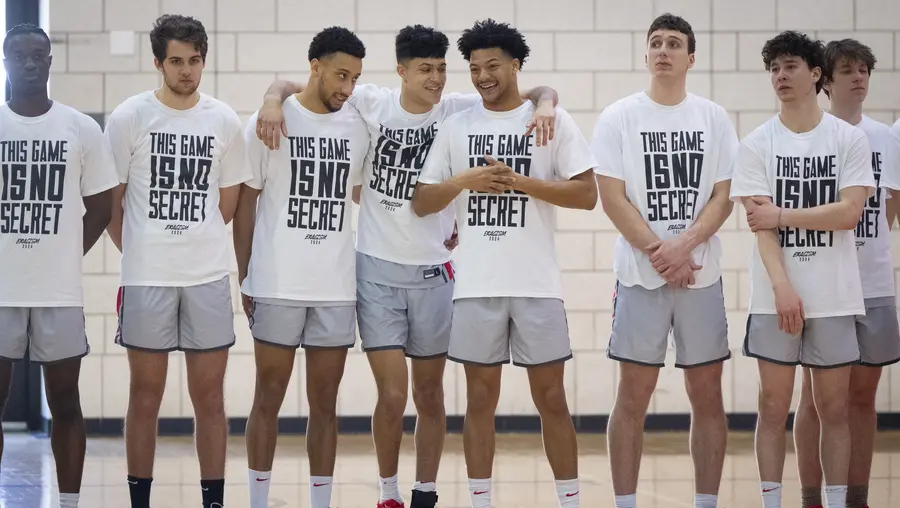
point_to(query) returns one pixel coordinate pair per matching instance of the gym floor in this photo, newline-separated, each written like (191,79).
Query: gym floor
(521,475)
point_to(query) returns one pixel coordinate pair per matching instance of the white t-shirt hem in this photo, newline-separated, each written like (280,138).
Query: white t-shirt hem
(610,174)
(407,261)
(816,315)
(238,181)
(508,294)
(300,298)
(175,284)
(97,190)
(73,303)
(650,287)
(879,294)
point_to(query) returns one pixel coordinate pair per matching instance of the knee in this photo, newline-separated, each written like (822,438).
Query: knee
(393,400)
(481,398)
(209,401)
(323,401)
(429,399)
(862,399)
(269,395)
(146,396)
(551,400)
(773,408)
(706,402)
(632,400)
(832,410)
(65,405)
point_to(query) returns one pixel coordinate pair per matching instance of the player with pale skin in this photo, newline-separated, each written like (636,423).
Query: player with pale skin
(44,238)
(180,157)
(508,297)
(805,296)
(291,307)
(667,258)
(848,68)
(405,279)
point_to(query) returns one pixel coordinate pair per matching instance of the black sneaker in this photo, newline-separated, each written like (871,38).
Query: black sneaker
(423,499)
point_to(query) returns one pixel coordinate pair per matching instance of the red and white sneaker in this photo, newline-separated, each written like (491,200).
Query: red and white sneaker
(390,503)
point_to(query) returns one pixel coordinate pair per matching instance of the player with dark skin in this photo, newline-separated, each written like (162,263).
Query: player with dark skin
(27,60)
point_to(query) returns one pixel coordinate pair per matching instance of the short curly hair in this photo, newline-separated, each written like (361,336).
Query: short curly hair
(793,43)
(492,34)
(675,23)
(417,41)
(175,27)
(333,40)
(23,29)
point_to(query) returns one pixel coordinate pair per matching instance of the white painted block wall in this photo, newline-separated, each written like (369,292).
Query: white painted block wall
(591,51)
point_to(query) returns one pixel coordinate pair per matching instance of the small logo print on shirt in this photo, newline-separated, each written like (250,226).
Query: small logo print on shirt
(860,243)
(28,243)
(676,228)
(391,206)
(804,255)
(316,238)
(495,235)
(177,229)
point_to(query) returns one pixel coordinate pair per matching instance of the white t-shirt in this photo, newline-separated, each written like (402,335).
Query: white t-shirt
(174,162)
(303,240)
(400,141)
(803,171)
(48,164)
(670,158)
(873,239)
(506,242)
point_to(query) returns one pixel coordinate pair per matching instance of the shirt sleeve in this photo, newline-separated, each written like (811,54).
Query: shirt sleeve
(120,139)
(857,169)
(365,97)
(750,177)
(728,147)
(235,168)
(606,145)
(257,155)
(456,102)
(890,170)
(437,167)
(572,153)
(98,172)
(359,159)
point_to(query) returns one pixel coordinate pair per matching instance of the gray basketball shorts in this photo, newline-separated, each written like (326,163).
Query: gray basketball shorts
(878,333)
(53,334)
(307,326)
(826,342)
(644,318)
(164,319)
(414,320)
(490,331)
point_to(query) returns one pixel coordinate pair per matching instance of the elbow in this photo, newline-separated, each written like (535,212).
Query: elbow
(417,207)
(588,198)
(850,219)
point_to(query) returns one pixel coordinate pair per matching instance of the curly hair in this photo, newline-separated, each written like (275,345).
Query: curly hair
(850,50)
(491,34)
(336,39)
(417,41)
(175,27)
(22,29)
(793,43)
(676,24)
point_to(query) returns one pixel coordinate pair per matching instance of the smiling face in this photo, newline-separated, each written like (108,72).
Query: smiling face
(792,79)
(667,54)
(493,74)
(849,82)
(424,77)
(27,63)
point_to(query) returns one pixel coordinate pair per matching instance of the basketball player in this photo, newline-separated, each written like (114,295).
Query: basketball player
(803,177)
(180,157)
(508,302)
(53,159)
(404,276)
(665,162)
(848,67)
(300,270)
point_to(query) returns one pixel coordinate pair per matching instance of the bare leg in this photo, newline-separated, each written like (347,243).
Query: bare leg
(206,379)
(806,442)
(549,395)
(625,433)
(483,394)
(709,430)
(431,423)
(391,378)
(324,371)
(776,390)
(148,383)
(274,366)
(831,389)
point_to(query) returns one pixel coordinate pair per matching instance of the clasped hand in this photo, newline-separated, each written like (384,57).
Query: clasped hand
(672,260)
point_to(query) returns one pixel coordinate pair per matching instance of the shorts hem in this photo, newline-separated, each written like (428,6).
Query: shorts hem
(477,364)
(346,346)
(772,360)
(427,357)
(61,360)
(543,364)
(207,350)
(147,349)
(382,348)
(703,364)
(14,360)
(881,364)
(635,362)
(276,344)
(826,367)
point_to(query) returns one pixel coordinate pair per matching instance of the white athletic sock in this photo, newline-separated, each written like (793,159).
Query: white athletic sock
(835,496)
(390,489)
(771,494)
(628,501)
(320,491)
(567,493)
(425,486)
(68,500)
(705,500)
(259,488)
(480,492)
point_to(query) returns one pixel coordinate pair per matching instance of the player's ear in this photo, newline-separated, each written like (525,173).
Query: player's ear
(691,61)
(157,64)
(401,70)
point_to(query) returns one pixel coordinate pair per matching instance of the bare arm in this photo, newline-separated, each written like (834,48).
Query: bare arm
(228,200)
(714,214)
(97,216)
(541,94)
(117,213)
(578,192)
(357,190)
(244,222)
(432,198)
(281,89)
(623,214)
(891,208)
(844,214)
